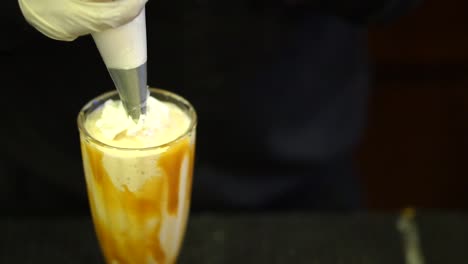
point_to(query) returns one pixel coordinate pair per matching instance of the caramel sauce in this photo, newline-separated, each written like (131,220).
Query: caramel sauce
(171,163)
(128,224)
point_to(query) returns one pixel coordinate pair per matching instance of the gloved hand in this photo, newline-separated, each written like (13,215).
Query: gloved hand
(69,19)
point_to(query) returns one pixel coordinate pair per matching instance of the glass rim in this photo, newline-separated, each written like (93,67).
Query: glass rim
(104,96)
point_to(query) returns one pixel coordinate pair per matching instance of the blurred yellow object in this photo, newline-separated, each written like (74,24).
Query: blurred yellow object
(409,212)
(408,228)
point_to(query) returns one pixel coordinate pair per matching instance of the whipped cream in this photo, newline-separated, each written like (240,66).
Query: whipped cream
(162,123)
(114,119)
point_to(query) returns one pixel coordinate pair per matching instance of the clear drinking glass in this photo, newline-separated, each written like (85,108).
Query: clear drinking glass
(139,221)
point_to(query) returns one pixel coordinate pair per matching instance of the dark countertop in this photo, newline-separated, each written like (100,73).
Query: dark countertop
(253,238)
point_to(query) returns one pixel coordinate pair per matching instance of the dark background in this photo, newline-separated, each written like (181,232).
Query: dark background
(415,144)
(415,148)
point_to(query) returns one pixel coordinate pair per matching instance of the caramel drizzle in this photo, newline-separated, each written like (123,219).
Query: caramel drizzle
(132,244)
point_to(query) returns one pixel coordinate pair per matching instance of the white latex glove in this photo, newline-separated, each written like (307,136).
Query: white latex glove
(69,19)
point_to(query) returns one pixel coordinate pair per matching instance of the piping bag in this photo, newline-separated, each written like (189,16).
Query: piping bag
(124,52)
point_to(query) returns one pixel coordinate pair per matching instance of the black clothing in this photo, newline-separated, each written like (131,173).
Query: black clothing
(280,89)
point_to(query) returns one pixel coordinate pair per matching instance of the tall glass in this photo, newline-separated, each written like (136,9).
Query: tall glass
(139,221)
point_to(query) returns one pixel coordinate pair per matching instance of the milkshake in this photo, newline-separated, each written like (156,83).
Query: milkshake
(139,175)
